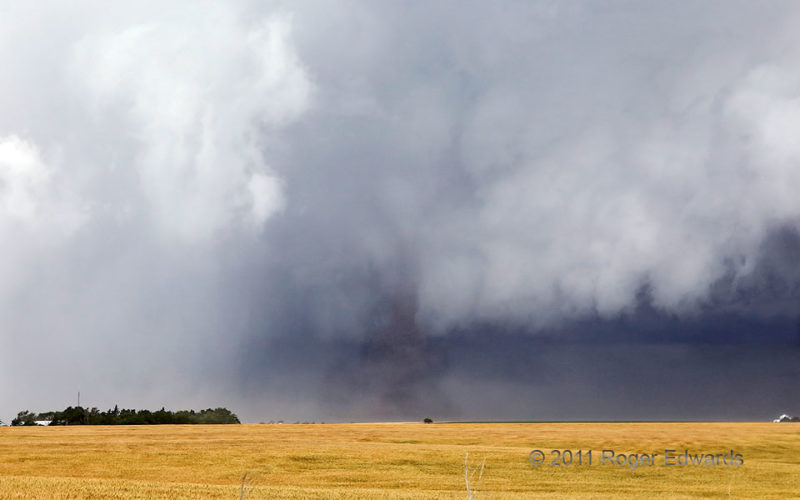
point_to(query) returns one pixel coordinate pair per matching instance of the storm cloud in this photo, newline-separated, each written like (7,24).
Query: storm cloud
(343,210)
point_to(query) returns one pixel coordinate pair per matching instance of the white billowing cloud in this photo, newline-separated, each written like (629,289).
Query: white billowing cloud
(24,179)
(765,109)
(29,198)
(198,97)
(266,197)
(594,178)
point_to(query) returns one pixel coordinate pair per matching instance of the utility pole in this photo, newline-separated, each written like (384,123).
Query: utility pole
(79,398)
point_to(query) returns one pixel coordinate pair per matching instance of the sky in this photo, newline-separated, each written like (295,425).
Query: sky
(354,210)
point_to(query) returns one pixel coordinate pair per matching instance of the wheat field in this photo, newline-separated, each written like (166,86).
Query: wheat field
(392,460)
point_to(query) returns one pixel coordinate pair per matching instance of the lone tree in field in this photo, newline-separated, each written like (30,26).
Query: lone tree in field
(428,420)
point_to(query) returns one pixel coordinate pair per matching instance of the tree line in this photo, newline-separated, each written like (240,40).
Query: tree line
(78,415)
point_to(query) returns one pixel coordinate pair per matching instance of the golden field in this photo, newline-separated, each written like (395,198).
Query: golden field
(392,460)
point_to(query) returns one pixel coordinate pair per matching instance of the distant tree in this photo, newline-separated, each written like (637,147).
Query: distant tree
(24,418)
(428,420)
(218,416)
(71,416)
(93,417)
(48,415)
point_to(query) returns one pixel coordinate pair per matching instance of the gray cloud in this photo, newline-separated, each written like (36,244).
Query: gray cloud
(235,203)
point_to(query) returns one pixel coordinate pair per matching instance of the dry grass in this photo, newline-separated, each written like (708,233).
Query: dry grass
(378,461)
